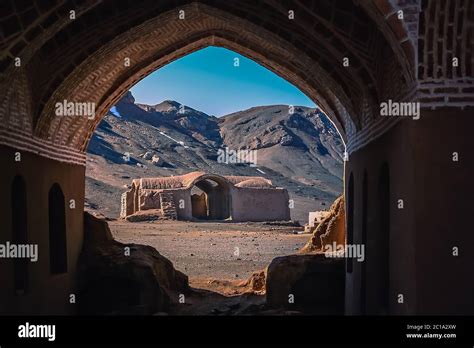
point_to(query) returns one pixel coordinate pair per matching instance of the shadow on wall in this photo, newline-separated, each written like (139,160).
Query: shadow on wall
(214,201)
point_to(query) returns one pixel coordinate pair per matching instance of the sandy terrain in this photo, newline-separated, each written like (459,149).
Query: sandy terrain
(207,251)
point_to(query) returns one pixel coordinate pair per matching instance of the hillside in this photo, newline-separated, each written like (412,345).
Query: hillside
(299,151)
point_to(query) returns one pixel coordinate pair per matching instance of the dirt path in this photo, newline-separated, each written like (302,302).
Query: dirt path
(206,251)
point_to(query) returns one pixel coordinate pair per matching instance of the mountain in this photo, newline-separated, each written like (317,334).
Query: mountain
(297,148)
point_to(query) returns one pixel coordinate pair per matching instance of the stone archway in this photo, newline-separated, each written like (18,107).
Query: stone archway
(113,64)
(210,197)
(214,203)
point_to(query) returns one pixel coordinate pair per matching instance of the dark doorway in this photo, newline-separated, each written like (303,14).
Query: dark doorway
(363,274)
(383,274)
(57,231)
(350,221)
(210,200)
(19,233)
(199,203)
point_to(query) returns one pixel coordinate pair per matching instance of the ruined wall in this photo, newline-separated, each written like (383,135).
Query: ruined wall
(246,204)
(149,199)
(332,229)
(46,294)
(250,204)
(182,201)
(126,203)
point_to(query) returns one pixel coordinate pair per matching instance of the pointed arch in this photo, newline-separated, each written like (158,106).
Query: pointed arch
(350,220)
(57,230)
(19,232)
(383,241)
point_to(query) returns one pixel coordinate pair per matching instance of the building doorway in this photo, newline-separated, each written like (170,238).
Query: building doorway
(210,200)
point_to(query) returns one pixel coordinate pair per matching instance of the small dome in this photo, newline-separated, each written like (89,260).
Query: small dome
(255,183)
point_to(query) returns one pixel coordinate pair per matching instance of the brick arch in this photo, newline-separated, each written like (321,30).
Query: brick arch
(79,59)
(219,179)
(400,34)
(104,79)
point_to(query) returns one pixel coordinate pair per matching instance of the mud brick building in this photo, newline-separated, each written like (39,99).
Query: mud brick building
(198,195)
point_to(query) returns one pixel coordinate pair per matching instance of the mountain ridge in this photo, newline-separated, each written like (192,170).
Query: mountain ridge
(300,151)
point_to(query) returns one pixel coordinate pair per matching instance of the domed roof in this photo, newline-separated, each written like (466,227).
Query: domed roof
(255,182)
(190,179)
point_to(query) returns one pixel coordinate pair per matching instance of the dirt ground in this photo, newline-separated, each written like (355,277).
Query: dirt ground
(213,253)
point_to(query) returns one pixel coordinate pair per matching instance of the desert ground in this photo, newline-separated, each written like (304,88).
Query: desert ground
(214,255)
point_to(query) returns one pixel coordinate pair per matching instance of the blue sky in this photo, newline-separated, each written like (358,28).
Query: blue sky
(208,81)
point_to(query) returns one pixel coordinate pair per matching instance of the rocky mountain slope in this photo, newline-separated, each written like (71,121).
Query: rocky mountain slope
(296,148)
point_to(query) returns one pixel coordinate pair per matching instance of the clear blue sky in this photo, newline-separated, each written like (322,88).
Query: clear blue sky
(208,81)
